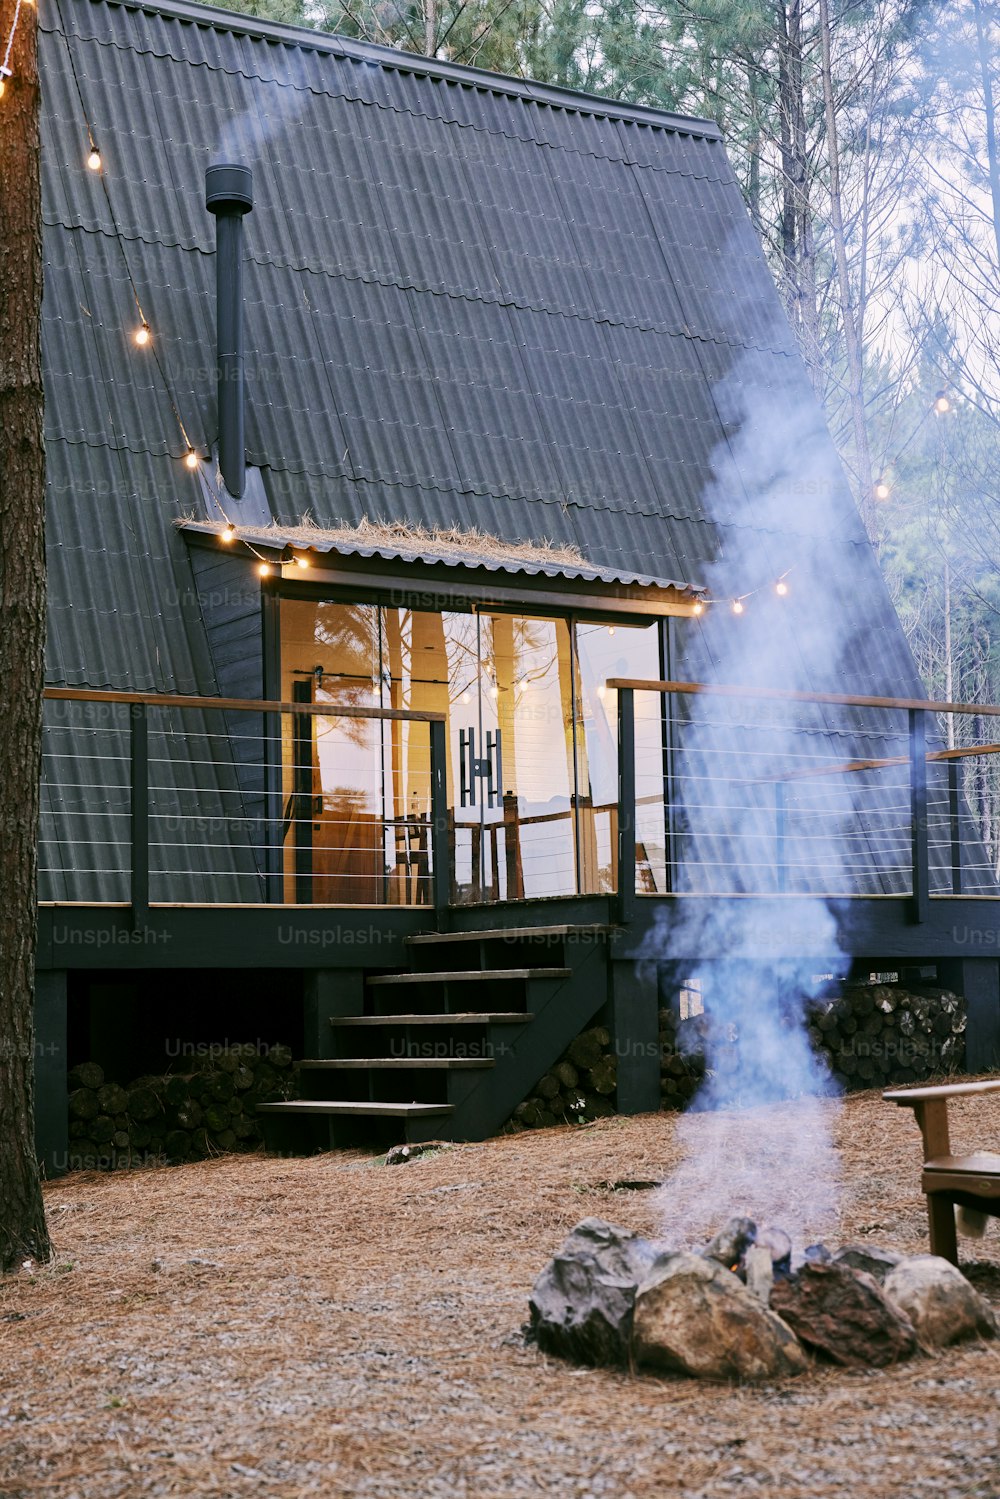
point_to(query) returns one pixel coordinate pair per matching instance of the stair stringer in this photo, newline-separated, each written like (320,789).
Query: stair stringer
(484,1101)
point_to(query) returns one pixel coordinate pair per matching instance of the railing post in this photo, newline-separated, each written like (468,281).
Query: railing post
(780,869)
(954,803)
(918,815)
(139,813)
(439,822)
(626,805)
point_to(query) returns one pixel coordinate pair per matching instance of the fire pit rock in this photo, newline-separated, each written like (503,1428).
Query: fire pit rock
(943,1307)
(876,1262)
(582,1303)
(693,1315)
(844,1314)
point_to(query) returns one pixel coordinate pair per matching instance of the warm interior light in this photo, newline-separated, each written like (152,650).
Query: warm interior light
(737,606)
(94,160)
(942,404)
(228,534)
(881,490)
(141,335)
(781,588)
(191,458)
(265,569)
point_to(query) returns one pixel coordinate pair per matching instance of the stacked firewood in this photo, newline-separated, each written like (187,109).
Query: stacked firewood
(682,1057)
(871,1034)
(207,1110)
(580,1087)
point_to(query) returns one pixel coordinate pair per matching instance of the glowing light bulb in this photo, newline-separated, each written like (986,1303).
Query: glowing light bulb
(141,335)
(781,588)
(191,458)
(494,690)
(301,561)
(942,404)
(698,607)
(611,629)
(737,606)
(94,160)
(265,569)
(881,490)
(228,534)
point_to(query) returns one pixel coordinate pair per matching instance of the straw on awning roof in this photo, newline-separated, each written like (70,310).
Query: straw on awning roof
(454,548)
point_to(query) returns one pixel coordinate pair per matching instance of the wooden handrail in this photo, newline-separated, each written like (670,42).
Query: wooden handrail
(782,694)
(236,704)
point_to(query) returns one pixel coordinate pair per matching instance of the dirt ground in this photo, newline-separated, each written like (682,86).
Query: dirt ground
(333,1326)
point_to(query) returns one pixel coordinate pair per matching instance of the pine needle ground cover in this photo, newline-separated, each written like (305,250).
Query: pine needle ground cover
(333,1326)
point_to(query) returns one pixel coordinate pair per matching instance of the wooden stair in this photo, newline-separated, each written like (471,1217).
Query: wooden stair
(467,1047)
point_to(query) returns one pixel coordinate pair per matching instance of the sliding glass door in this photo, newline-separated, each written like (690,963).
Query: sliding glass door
(531,745)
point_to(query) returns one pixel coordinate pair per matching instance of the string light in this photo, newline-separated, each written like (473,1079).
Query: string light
(94,160)
(737,606)
(301,561)
(191,459)
(142,335)
(882,490)
(228,534)
(942,403)
(698,607)
(781,588)
(265,569)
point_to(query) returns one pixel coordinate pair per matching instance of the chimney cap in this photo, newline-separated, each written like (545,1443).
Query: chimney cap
(228,188)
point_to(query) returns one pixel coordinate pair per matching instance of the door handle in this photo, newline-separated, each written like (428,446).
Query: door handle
(467,766)
(494,769)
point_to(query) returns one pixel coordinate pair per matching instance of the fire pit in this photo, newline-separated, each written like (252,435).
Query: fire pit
(744,1306)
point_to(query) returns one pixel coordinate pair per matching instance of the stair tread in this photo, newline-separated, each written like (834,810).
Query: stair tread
(386,1110)
(467,1017)
(508,934)
(469,976)
(342,1064)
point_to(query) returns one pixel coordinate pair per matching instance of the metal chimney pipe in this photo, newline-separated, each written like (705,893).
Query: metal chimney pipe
(229,195)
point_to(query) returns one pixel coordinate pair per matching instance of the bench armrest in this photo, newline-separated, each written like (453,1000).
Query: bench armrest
(908,1097)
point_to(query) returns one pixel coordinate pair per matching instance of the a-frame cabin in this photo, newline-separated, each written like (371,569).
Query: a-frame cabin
(455,399)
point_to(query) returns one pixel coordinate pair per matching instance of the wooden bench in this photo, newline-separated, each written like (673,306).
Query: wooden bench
(950,1181)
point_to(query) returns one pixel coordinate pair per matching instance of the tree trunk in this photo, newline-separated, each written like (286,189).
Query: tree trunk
(797,241)
(850,317)
(991,123)
(22,640)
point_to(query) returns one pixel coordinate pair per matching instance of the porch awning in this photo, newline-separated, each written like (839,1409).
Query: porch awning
(465,549)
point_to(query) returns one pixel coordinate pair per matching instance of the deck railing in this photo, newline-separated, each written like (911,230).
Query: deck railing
(192,792)
(759,799)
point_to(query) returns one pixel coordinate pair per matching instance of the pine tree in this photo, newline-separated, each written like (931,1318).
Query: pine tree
(22,638)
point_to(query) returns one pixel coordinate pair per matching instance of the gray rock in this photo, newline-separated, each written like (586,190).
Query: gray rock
(759,1268)
(582,1302)
(693,1315)
(866,1257)
(731,1242)
(843,1313)
(939,1301)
